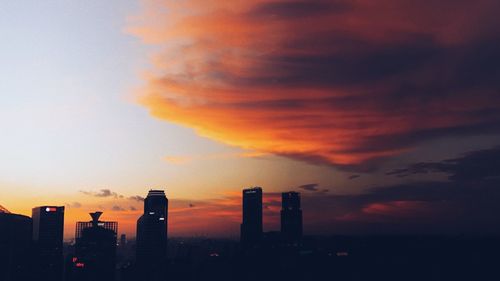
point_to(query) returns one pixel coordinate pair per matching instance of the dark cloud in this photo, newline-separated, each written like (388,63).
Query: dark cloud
(191,205)
(102,193)
(473,166)
(422,207)
(296,9)
(137,198)
(74,205)
(117,208)
(467,202)
(351,177)
(310,187)
(132,208)
(426,207)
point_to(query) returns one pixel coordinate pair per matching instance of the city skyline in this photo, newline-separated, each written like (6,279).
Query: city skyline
(385,117)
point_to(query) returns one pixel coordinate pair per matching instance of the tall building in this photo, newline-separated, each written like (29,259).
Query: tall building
(291,217)
(48,228)
(251,227)
(15,241)
(152,235)
(95,251)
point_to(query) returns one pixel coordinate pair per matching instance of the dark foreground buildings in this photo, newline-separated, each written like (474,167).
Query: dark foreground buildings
(251,227)
(95,251)
(15,240)
(152,236)
(48,228)
(291,217)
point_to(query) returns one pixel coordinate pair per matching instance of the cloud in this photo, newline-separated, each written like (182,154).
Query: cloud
(472,166)
(351,177)
(465,203)
(117,208)
(185,159)
(137,198)
(132,208)
(343,83)
(177,160)
(428,207)
(74,205)
(102,193)
(310,187)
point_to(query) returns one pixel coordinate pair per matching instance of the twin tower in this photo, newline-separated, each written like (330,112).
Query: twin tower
(291,217)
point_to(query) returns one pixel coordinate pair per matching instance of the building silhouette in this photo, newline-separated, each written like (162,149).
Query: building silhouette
(291,217)
(48,228)
(95,251)
(123,240)
(151,246)
(15,241)
(251,227)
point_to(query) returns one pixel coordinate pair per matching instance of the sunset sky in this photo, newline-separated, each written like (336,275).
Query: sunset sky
(385,115)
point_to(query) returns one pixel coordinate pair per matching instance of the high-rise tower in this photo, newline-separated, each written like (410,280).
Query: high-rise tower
(152,233)
(251,227)
(291,216)
(48,228)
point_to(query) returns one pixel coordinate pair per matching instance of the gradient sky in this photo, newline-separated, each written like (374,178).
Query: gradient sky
(386,116)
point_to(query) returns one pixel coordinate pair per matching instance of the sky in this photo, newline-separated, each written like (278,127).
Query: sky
(384,115)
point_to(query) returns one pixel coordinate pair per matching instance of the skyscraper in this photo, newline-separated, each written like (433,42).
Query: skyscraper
(152,235)
(95,250)
(251,227)
(291,217)
(48,228)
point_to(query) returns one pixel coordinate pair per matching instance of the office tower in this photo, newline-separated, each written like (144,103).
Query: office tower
(251,228)
(152,235)
(48,228)
(152,228)
(15,241)
(291,217)
(95,250)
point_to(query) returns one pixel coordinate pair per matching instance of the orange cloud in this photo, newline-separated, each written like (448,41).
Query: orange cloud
(177,160)
(333,82)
